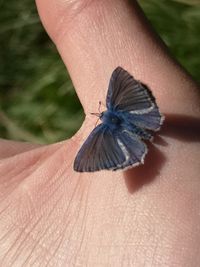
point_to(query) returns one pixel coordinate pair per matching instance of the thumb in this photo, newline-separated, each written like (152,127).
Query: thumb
(94,37)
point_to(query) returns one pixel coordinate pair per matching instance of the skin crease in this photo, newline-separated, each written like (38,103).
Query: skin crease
(146,216)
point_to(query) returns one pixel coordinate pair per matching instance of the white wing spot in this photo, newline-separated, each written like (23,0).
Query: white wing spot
(143,111)
(125,151)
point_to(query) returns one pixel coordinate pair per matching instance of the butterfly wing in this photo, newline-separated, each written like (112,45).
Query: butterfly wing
(127,94)
(109,150)
(100,151)
(133,148)
(150,121)
(134,100)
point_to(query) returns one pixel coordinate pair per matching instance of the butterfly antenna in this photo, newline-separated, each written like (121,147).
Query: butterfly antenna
(96,114)
(99,109)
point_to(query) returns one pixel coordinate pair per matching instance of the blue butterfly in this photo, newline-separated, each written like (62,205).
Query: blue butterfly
(117,143)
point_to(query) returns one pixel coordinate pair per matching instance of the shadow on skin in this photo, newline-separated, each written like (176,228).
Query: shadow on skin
(137,177)
(183,128)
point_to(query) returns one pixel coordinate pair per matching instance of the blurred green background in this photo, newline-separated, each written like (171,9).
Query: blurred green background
(37,100)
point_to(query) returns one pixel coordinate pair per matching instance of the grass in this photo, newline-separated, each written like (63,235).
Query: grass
(37,100)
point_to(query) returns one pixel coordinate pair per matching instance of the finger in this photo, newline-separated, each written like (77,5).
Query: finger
(94,37)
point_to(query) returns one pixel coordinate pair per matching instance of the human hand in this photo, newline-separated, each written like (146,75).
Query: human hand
(147,216)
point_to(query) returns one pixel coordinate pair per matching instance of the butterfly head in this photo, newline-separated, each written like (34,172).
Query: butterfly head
(110,118)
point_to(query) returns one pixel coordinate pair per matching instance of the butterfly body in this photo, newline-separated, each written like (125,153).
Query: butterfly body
(112,119)
(117,143)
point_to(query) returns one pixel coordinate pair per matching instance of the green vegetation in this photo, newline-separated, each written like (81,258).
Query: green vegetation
(37,100)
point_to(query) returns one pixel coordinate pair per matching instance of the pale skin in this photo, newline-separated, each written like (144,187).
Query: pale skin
(147,216)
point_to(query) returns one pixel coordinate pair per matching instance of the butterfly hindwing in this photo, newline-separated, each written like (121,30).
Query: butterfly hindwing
(150,121)
(132,146)
(127,94)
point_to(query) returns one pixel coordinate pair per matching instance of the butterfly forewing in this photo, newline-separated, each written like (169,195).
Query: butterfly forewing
(127,94)
(105,150)
(100,151)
